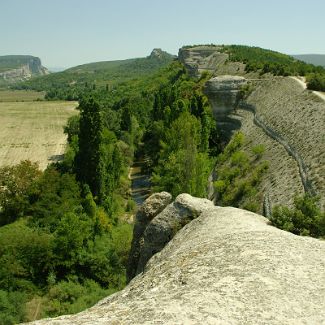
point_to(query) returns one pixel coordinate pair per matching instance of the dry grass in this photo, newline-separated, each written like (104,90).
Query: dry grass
(34,131)
(20,95)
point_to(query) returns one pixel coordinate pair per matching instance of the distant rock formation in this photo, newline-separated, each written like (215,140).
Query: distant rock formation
(160,54)
(209,58)
(225,266)
(201,58)
(20,67)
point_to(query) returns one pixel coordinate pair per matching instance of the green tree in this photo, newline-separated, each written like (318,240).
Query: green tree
(88,164)
(181,167)
(15,185)
(72,127)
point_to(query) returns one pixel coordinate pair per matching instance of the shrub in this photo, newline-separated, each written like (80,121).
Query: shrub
(258,150)
(69,297)
(11,307)
(305,218)
(239,174)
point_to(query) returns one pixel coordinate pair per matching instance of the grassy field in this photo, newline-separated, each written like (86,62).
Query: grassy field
(20,95)
(33,130)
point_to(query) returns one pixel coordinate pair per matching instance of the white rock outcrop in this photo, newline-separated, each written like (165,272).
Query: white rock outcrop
(227,266)
(32,66)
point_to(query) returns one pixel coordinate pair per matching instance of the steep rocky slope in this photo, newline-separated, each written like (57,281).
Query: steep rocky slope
(15,68)
(228,266)
(299,117)
(281,105)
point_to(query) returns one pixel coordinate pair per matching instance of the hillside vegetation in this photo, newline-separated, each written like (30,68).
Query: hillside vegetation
(267,61)
(72,83)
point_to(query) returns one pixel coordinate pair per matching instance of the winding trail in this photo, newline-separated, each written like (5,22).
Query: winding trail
(302,82)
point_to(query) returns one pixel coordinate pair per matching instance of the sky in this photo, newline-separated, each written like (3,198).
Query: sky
(65,33)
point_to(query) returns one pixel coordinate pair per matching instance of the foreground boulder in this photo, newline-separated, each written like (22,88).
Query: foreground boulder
(226,266)
(154,204)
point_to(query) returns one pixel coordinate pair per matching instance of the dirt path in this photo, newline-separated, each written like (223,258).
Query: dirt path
(140,182)
(302,82)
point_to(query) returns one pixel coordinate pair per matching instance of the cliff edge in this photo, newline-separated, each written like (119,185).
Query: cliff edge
(224,266)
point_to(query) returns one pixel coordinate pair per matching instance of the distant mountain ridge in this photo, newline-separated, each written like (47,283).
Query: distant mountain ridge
(156,55)
(70,83)
(316,59)
(14,68)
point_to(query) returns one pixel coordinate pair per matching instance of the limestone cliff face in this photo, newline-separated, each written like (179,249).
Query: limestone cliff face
(222,92)
(223,266)
(30,66)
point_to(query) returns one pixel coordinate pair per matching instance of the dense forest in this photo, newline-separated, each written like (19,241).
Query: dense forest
(65,233)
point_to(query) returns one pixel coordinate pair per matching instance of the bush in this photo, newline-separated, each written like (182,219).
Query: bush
(15,185)
(69,297)
(258,151)
(131,205)
(11,307)
(238,175)
(316,82)
(305,218)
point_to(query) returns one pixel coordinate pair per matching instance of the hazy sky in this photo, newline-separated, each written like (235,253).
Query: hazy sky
(71,32)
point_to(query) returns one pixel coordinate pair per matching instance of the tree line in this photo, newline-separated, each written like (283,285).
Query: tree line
(266,61)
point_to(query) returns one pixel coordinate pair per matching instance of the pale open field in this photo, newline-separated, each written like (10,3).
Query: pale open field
(9,95)
(33,130)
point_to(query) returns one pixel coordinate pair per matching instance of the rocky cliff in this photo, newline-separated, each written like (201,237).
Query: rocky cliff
(208,58)
(223,93)
(20,67)
(278,108)
(214,265)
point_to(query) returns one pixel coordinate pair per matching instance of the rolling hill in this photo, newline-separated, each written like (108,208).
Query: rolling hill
(70,83)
